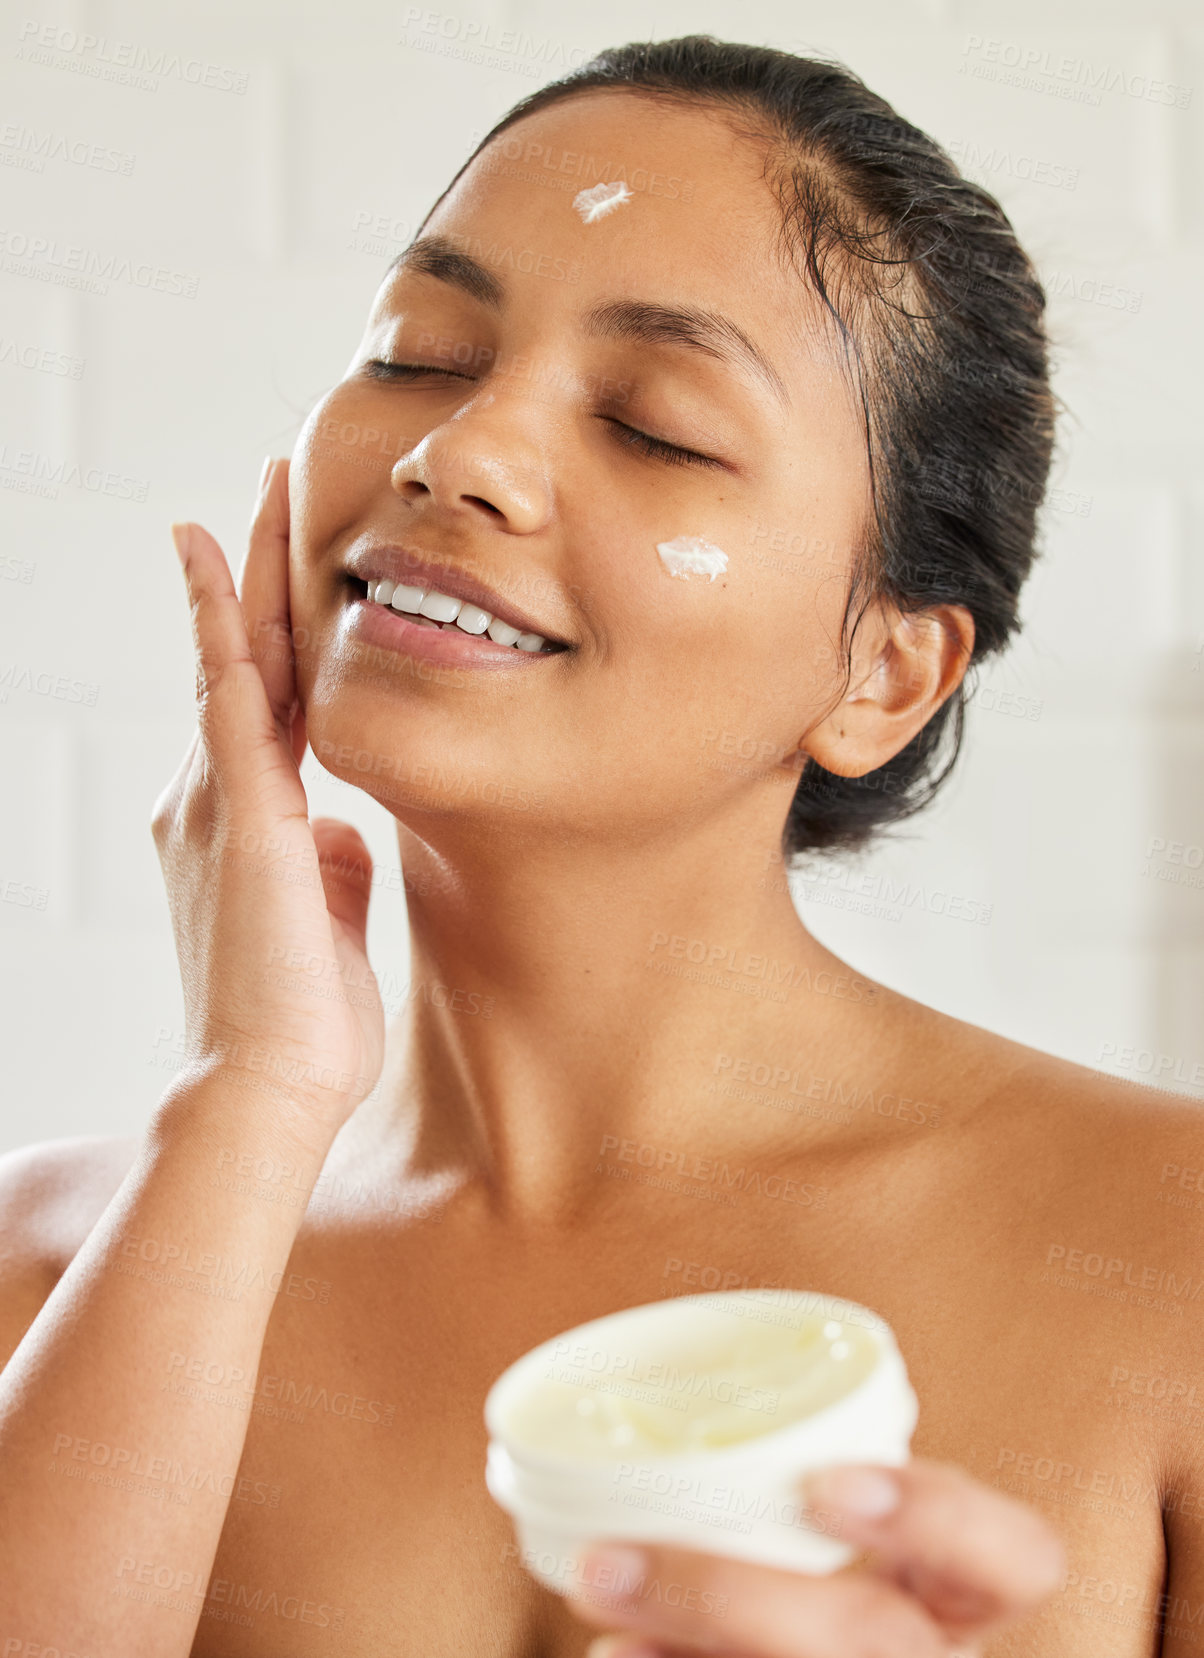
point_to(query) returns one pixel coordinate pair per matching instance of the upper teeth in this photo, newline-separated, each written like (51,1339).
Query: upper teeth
(441,607)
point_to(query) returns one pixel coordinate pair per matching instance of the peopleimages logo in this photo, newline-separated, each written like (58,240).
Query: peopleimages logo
(46,474)
(18,139)
(672,1161)
(566,169)
(1077,78)
(1108,1267)
(61,47)
(586,1365)
(42,358)
(476,40)
(1031,169)
(79,267)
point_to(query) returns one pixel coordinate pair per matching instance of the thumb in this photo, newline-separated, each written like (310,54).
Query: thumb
(346,867)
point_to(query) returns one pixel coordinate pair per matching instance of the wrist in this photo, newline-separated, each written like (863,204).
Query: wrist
(237,1112)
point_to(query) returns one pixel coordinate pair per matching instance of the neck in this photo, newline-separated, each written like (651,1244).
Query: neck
(567,1002)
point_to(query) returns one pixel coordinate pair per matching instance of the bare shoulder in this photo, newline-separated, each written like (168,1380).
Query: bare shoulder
(1001,1085)
(1059,1142)
(52,1194)
(1093,1125)
(1108,1174)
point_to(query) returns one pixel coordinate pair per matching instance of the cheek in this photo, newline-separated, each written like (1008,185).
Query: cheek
(766,664)
(340,468)
(340,459)
(329,498)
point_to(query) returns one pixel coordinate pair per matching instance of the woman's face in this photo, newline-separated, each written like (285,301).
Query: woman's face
(510,462)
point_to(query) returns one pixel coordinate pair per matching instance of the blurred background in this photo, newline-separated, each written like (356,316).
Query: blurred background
(199,203)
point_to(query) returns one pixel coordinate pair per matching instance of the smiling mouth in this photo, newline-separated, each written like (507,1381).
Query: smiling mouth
(428,608)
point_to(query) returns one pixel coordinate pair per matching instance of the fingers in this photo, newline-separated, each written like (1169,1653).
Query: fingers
(231,702)
(950,1561)
(264,586)
(628,1646)
(973,1556)
(680,1599)
(625,1646)
(298,735)
(346,867)
(639,1646)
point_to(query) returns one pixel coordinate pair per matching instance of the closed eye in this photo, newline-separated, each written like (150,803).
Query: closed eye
(673,454)
(377,369)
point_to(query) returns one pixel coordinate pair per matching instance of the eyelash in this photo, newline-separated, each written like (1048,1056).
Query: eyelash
(642,442)
(672,453)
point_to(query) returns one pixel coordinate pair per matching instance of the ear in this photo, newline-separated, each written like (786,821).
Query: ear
(904,666)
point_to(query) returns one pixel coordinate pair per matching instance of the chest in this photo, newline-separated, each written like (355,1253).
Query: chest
(360,1521)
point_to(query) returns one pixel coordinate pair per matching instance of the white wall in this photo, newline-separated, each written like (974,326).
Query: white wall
(272,199)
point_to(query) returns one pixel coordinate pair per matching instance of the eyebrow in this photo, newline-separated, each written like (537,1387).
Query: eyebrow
(439,256)
(637,320)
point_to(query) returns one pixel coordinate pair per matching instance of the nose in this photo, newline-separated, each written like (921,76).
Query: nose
(479,463)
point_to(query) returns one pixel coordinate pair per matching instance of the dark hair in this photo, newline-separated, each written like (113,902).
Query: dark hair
(941,315)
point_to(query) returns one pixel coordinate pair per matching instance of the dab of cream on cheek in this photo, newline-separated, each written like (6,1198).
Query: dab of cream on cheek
(601,199)
(690,555)
(751,1382)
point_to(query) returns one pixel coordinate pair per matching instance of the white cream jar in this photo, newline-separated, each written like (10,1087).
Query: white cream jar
(691,1421)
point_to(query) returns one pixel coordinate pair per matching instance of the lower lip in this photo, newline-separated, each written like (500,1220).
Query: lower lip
(380,624)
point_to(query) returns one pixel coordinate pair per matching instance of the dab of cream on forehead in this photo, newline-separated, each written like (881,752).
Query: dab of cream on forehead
(603,198)
(690,555)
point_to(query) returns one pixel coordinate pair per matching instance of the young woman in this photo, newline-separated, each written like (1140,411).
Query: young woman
(690,456)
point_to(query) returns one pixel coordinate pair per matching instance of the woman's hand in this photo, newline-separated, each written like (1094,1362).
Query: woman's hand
(269,911)
(951,1561)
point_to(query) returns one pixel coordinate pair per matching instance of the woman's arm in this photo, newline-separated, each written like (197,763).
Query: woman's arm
(115,1488)
(99,1553)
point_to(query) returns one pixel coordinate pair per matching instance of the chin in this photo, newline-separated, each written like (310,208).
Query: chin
(429,774)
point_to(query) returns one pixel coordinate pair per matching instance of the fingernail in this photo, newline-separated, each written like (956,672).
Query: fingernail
(621,1646)
(263,476)
(864,1492)
(615,1570)
(181,534)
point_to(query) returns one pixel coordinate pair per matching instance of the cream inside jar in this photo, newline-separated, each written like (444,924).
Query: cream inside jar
(596,1404)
